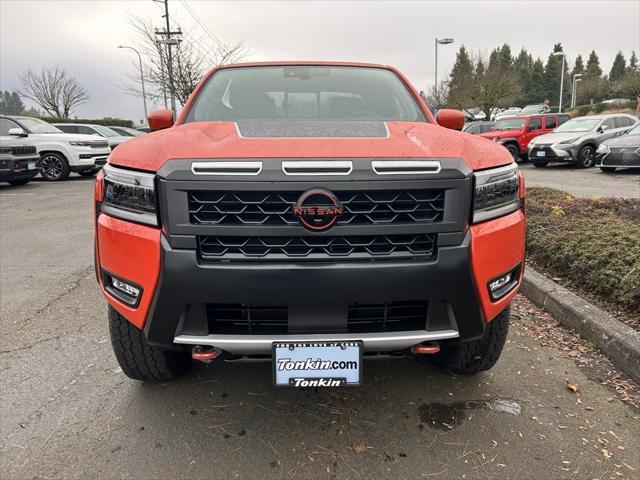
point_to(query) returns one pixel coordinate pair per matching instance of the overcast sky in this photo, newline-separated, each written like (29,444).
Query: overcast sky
(82,35)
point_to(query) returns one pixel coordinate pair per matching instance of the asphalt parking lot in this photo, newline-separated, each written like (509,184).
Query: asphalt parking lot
(67,411)
(590,182)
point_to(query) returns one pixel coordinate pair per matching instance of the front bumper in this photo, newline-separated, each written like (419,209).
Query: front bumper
(548,153)
(619,158)
(84,158)
(179,287)
(19,168)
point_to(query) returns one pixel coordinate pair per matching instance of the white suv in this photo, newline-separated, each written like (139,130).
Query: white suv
(61,153)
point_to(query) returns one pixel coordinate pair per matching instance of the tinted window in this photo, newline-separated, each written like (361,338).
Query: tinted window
(550,123)
(623,122)
(68,128)
(473,129)
(609,123)
(535,124)
(85,130)
(562,119)
(6,125)
(486,128)
(304,93)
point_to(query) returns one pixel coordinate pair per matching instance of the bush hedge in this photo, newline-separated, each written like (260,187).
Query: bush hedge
(592,243)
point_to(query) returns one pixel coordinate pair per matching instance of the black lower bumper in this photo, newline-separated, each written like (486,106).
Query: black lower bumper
(11,170)
(317,295)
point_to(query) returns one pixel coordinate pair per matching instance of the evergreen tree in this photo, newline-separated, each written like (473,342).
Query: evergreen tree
(461,80)
(578,66)
(618,68)
(633,63)
(593,69)
(11,103)
(552,73)
(534,88)
(522,65)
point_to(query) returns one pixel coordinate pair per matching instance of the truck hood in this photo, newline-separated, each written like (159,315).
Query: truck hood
(306,139)
(501,134)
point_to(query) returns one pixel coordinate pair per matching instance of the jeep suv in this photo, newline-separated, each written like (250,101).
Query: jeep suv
(515,133)
(19,161)
(314,214)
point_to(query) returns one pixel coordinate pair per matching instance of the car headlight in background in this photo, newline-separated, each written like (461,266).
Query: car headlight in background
(129,195)
(496,193)
(602,149)
(566,143)
(80,143)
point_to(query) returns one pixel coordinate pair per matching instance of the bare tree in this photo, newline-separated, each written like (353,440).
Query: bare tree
(190,60)
(436,98)
(53,90)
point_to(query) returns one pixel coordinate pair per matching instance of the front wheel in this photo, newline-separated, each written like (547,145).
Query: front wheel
(586,157)
(514,151)
(54,167)
(608,169)
(477,355)
(137,358)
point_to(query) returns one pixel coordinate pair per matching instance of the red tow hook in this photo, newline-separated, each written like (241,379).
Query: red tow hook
(205,354)
(425,348)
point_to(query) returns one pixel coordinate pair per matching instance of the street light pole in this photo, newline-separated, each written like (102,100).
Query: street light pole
(561,78)
(144,95)
(443,41)
(574,88)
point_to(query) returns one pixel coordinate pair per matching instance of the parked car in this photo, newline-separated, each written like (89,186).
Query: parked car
(510,112)
(478,127)
(61,153)
(127,132)
(576,141)
(19,161)
(535,109)
(474,114)
(617,102)
(143,129)
(111,136)
(270,236)
(515,133)
(620,152)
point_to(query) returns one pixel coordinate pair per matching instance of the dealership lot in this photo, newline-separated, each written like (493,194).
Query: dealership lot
(67,409)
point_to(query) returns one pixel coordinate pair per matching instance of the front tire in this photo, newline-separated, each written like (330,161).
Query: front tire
(54,167)
(477,355)
(514,151)
(608,169)
(137,358)
(586,157)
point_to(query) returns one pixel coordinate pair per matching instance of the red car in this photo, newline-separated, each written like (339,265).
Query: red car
(515,133)
(314,214)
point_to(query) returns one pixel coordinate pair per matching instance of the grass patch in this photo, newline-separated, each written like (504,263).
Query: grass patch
(593,243)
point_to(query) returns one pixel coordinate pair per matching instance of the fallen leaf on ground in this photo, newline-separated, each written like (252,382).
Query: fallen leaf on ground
(360,447)
(573,387)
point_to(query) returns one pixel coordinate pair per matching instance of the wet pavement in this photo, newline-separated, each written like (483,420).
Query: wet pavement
(67,410)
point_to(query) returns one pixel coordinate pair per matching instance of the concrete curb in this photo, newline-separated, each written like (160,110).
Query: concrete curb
(616,340)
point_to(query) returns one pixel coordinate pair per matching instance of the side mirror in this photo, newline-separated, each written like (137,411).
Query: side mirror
(18,132)
(160,119)
(448,118)
(603,128)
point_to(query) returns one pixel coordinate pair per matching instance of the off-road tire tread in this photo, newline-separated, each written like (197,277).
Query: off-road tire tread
(137,358)
(477,355)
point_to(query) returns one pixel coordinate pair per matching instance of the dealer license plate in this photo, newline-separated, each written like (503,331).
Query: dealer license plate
(541,153)
(321,364)
(31,166)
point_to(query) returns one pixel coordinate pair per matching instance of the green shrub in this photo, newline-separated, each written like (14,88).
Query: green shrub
(593,243)
(599,107)
(583,110)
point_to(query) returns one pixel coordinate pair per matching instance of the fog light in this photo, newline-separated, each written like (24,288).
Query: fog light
(498,287)
(123,290)
(125,287)
(500,282)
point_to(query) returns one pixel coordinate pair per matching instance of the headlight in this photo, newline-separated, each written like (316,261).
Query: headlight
(496,193)
(80,143)
(129,195)
(572,141)
(603,149)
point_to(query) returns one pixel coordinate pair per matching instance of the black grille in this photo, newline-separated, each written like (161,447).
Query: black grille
(355,247)
(240,318)
(547,153)
(622,157)
(275,208)
(99,144)
(27,150)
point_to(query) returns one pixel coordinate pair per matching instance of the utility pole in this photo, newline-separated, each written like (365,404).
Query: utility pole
(169,41)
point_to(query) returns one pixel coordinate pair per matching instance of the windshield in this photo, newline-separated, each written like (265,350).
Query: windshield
(635,130)
(578,125)
(104,131)
(304,93)
(35,125)
(510,124)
